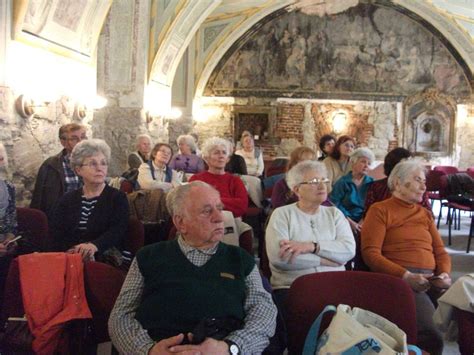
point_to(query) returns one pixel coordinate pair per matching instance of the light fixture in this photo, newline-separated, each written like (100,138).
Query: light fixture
(24,106)
(339,119)
(80,111)
(174,113)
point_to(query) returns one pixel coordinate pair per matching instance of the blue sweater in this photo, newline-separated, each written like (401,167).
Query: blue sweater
(348,197)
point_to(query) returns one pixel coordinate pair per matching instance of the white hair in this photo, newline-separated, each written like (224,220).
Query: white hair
(177,198)
(89,148)
(362,153)
(402,171)
(143,136)
(294,176)
(213,143)
(188,140)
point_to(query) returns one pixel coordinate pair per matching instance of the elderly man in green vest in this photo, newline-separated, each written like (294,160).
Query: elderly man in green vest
(174,286)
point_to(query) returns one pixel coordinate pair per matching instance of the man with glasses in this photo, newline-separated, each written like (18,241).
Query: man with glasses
(55,176)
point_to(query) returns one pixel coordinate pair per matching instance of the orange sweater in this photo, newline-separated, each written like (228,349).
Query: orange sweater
(396,234)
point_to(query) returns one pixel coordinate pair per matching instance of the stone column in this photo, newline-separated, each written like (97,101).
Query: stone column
(122,70)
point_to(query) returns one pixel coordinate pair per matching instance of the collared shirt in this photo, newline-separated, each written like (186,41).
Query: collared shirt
(71,180)
(260,313)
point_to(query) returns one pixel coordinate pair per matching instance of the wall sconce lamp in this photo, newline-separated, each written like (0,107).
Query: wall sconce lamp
(339,119)
(24,106)
(80,111)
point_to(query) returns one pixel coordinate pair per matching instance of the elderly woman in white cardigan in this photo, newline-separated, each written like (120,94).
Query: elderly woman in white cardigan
(306,237)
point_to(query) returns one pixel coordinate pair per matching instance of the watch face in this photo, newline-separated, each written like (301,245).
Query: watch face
(234,349)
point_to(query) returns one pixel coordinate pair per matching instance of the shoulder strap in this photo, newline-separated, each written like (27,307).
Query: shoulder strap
(152,169)
(311,341)
(168,174)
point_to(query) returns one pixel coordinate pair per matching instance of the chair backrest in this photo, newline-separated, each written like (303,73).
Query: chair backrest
(34,224)
(470,171)
(447,169)
(388,296)
(136,235)
(126,186)
(466,331)
(102,284)
(433,180)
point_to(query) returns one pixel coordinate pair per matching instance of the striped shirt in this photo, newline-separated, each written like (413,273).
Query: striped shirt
(87,206)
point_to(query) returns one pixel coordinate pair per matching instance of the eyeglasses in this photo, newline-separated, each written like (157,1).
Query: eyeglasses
(316,181)
(164,151)
(96,165)
(349,145)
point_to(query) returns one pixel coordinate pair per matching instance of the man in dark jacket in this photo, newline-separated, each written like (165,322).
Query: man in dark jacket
(55,176)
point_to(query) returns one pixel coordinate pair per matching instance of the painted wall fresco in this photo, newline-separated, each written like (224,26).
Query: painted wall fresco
(365,50)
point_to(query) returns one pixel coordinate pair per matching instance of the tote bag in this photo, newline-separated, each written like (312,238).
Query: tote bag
(356,331)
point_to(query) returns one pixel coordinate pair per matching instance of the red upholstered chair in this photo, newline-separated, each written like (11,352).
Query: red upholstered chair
(34,224)
(466,332)
(126,186)
(447,169)
(103,284)
(385,295)
(136,235)
(245,239)
(470,171)
(13,305)
(433,185)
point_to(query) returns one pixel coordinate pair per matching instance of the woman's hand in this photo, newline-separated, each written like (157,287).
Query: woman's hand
(441,281)
(7,248)
(356,227)
(290,249)
(87,250)
(418,282)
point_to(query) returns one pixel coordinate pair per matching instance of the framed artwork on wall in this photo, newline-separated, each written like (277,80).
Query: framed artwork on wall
(66,27)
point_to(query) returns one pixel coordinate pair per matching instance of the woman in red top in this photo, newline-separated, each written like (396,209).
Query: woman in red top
(399,238)
(215,153)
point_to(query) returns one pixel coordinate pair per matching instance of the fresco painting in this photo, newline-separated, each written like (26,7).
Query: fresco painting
(366,49)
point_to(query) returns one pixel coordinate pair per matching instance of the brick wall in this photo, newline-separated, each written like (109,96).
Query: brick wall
(290,121)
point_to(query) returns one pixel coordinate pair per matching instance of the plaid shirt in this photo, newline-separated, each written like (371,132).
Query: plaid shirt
(71,180)
(130,338)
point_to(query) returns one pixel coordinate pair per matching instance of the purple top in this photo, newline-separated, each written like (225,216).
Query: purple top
(190,164)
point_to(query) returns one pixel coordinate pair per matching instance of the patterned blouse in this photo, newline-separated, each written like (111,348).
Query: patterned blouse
(8,223)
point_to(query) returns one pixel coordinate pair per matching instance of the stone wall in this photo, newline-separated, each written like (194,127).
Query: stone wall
(29,141)
(303,122)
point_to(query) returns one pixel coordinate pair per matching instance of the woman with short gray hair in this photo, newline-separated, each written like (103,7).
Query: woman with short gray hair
(399,238)
(94,218)
(186,161)
(142,155)
(215,152)
(349,191)
(305,236)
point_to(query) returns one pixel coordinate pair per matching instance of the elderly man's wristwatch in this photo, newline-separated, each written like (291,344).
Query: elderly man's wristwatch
(233,347)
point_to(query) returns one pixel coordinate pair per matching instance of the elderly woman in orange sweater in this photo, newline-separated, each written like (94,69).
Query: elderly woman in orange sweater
(399,237)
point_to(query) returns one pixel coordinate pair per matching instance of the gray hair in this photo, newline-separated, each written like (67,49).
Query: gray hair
(177,198)
(144,136)
(294,176)
(362,153)
(403,170)
(188,140)
(89,148)
(5,156)
(213,143)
